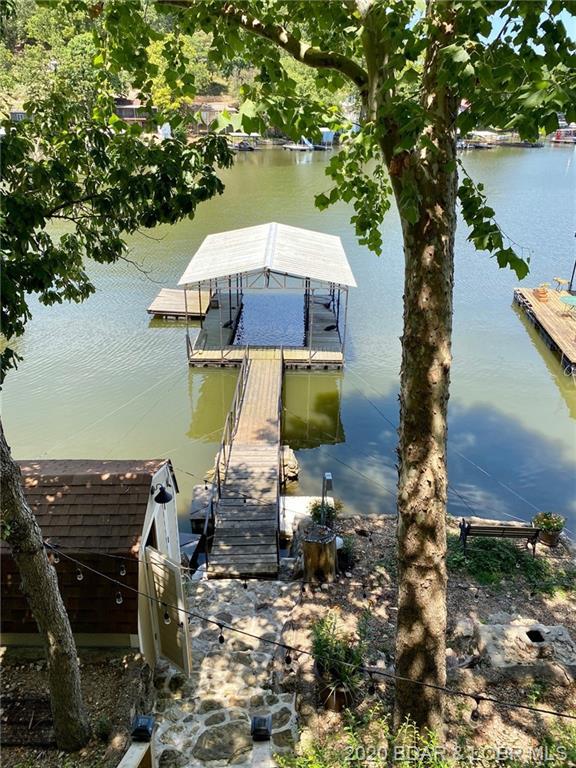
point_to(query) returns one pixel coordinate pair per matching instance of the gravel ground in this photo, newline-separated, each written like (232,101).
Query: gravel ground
(374,575)
(112,685)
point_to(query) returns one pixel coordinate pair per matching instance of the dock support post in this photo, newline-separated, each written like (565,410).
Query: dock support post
(311,326)
(220,318)
(345,323)
(187,327)
(200,306)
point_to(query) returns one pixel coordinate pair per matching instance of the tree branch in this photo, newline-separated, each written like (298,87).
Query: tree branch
(306,54)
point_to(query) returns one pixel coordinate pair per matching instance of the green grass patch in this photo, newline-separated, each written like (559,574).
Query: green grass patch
(489,561)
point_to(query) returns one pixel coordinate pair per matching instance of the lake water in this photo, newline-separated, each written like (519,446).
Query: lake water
(101,380)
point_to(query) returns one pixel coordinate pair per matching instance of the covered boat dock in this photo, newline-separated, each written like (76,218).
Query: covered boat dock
(228,266)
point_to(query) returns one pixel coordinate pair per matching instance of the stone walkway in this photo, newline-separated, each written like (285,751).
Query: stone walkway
(204,720)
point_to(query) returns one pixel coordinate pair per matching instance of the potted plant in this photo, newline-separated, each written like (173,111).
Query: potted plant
(551,526)
(541,293)
(337,663)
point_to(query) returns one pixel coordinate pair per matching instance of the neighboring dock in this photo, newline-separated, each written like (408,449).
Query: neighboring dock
(554,320)
(246,488)
(170,304)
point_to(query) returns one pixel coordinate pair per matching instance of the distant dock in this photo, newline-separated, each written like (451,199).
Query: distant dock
(554,320)
(170,304)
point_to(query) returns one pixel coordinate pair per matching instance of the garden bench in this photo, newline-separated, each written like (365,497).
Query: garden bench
(501,531)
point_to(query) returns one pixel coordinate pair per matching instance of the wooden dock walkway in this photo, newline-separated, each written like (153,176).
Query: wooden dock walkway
(246,527)
(170,304)
(555,321)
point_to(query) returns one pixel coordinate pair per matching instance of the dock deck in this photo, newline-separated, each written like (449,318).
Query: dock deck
(170,303)
(246,521)
(555,321)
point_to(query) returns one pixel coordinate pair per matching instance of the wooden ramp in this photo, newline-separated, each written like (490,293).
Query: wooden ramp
(555,321)
(245,540)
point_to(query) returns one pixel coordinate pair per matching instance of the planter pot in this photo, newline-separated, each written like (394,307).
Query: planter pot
(541,294)
(333,698)
(550,538)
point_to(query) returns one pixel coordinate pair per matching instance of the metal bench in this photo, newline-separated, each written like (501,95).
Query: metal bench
(527,532)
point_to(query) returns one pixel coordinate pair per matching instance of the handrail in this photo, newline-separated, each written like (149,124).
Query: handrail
(280,462)
(230,426)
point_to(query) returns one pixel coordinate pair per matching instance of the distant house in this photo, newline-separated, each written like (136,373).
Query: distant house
(118,518)
(130,110)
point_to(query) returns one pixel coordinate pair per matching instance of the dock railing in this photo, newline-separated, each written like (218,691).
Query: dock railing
(223,456)
(280,458)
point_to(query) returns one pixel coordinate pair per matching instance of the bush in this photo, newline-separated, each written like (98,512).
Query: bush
(337,656)
(316,510)
(103,728)
(490,560)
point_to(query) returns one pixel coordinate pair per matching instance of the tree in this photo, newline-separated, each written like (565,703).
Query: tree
(75,164)
(512,63)
(39,584)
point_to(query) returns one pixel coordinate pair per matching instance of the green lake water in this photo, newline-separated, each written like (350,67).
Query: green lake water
(101,380)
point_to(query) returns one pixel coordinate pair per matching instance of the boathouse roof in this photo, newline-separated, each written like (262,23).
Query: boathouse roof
(272,247)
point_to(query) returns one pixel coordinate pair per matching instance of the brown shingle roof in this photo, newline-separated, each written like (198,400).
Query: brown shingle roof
(85,505)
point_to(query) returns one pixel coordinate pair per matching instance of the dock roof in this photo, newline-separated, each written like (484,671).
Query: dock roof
(272,247)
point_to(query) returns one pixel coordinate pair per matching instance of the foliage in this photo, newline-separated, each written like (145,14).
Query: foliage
(327,511)
(510,63)
(548,521)
(491,560)
(368,739)
(96,177)
(103,728)
(347,553)
(337,656)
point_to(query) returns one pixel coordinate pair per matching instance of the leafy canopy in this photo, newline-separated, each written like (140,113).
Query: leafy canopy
(510,63)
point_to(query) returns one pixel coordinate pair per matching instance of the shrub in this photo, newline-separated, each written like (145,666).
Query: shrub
(330,511)
(337,656)
(103,728)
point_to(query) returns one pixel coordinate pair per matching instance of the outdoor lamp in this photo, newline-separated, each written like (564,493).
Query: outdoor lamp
(326,486)
(163,496)
(261,727)
(142,728)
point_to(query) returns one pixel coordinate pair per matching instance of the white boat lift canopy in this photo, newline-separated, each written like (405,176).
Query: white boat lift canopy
(268,249)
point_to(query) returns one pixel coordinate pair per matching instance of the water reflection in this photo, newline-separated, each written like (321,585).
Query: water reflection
(211,392)
(566,384)
(312,410)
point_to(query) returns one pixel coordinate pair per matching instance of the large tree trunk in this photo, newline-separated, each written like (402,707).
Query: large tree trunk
(40,586)
(424,385)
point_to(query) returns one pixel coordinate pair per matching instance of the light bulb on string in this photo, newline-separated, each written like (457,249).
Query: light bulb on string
(364,595)
(79,574)
(166,617)
(245,585)
(221,635)
(55,557)
(119,598)
(122,569)
(371,686)
(287,658)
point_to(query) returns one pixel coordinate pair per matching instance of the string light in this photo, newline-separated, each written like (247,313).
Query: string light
(119,598)
(122,569)
(301,651)
(55,557)
(166,617)
(79,574)
(371,685)
(245,585)
(364,594)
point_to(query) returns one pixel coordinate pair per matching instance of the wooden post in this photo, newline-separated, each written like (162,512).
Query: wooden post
(200,305)
(220,323)
(319,552)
